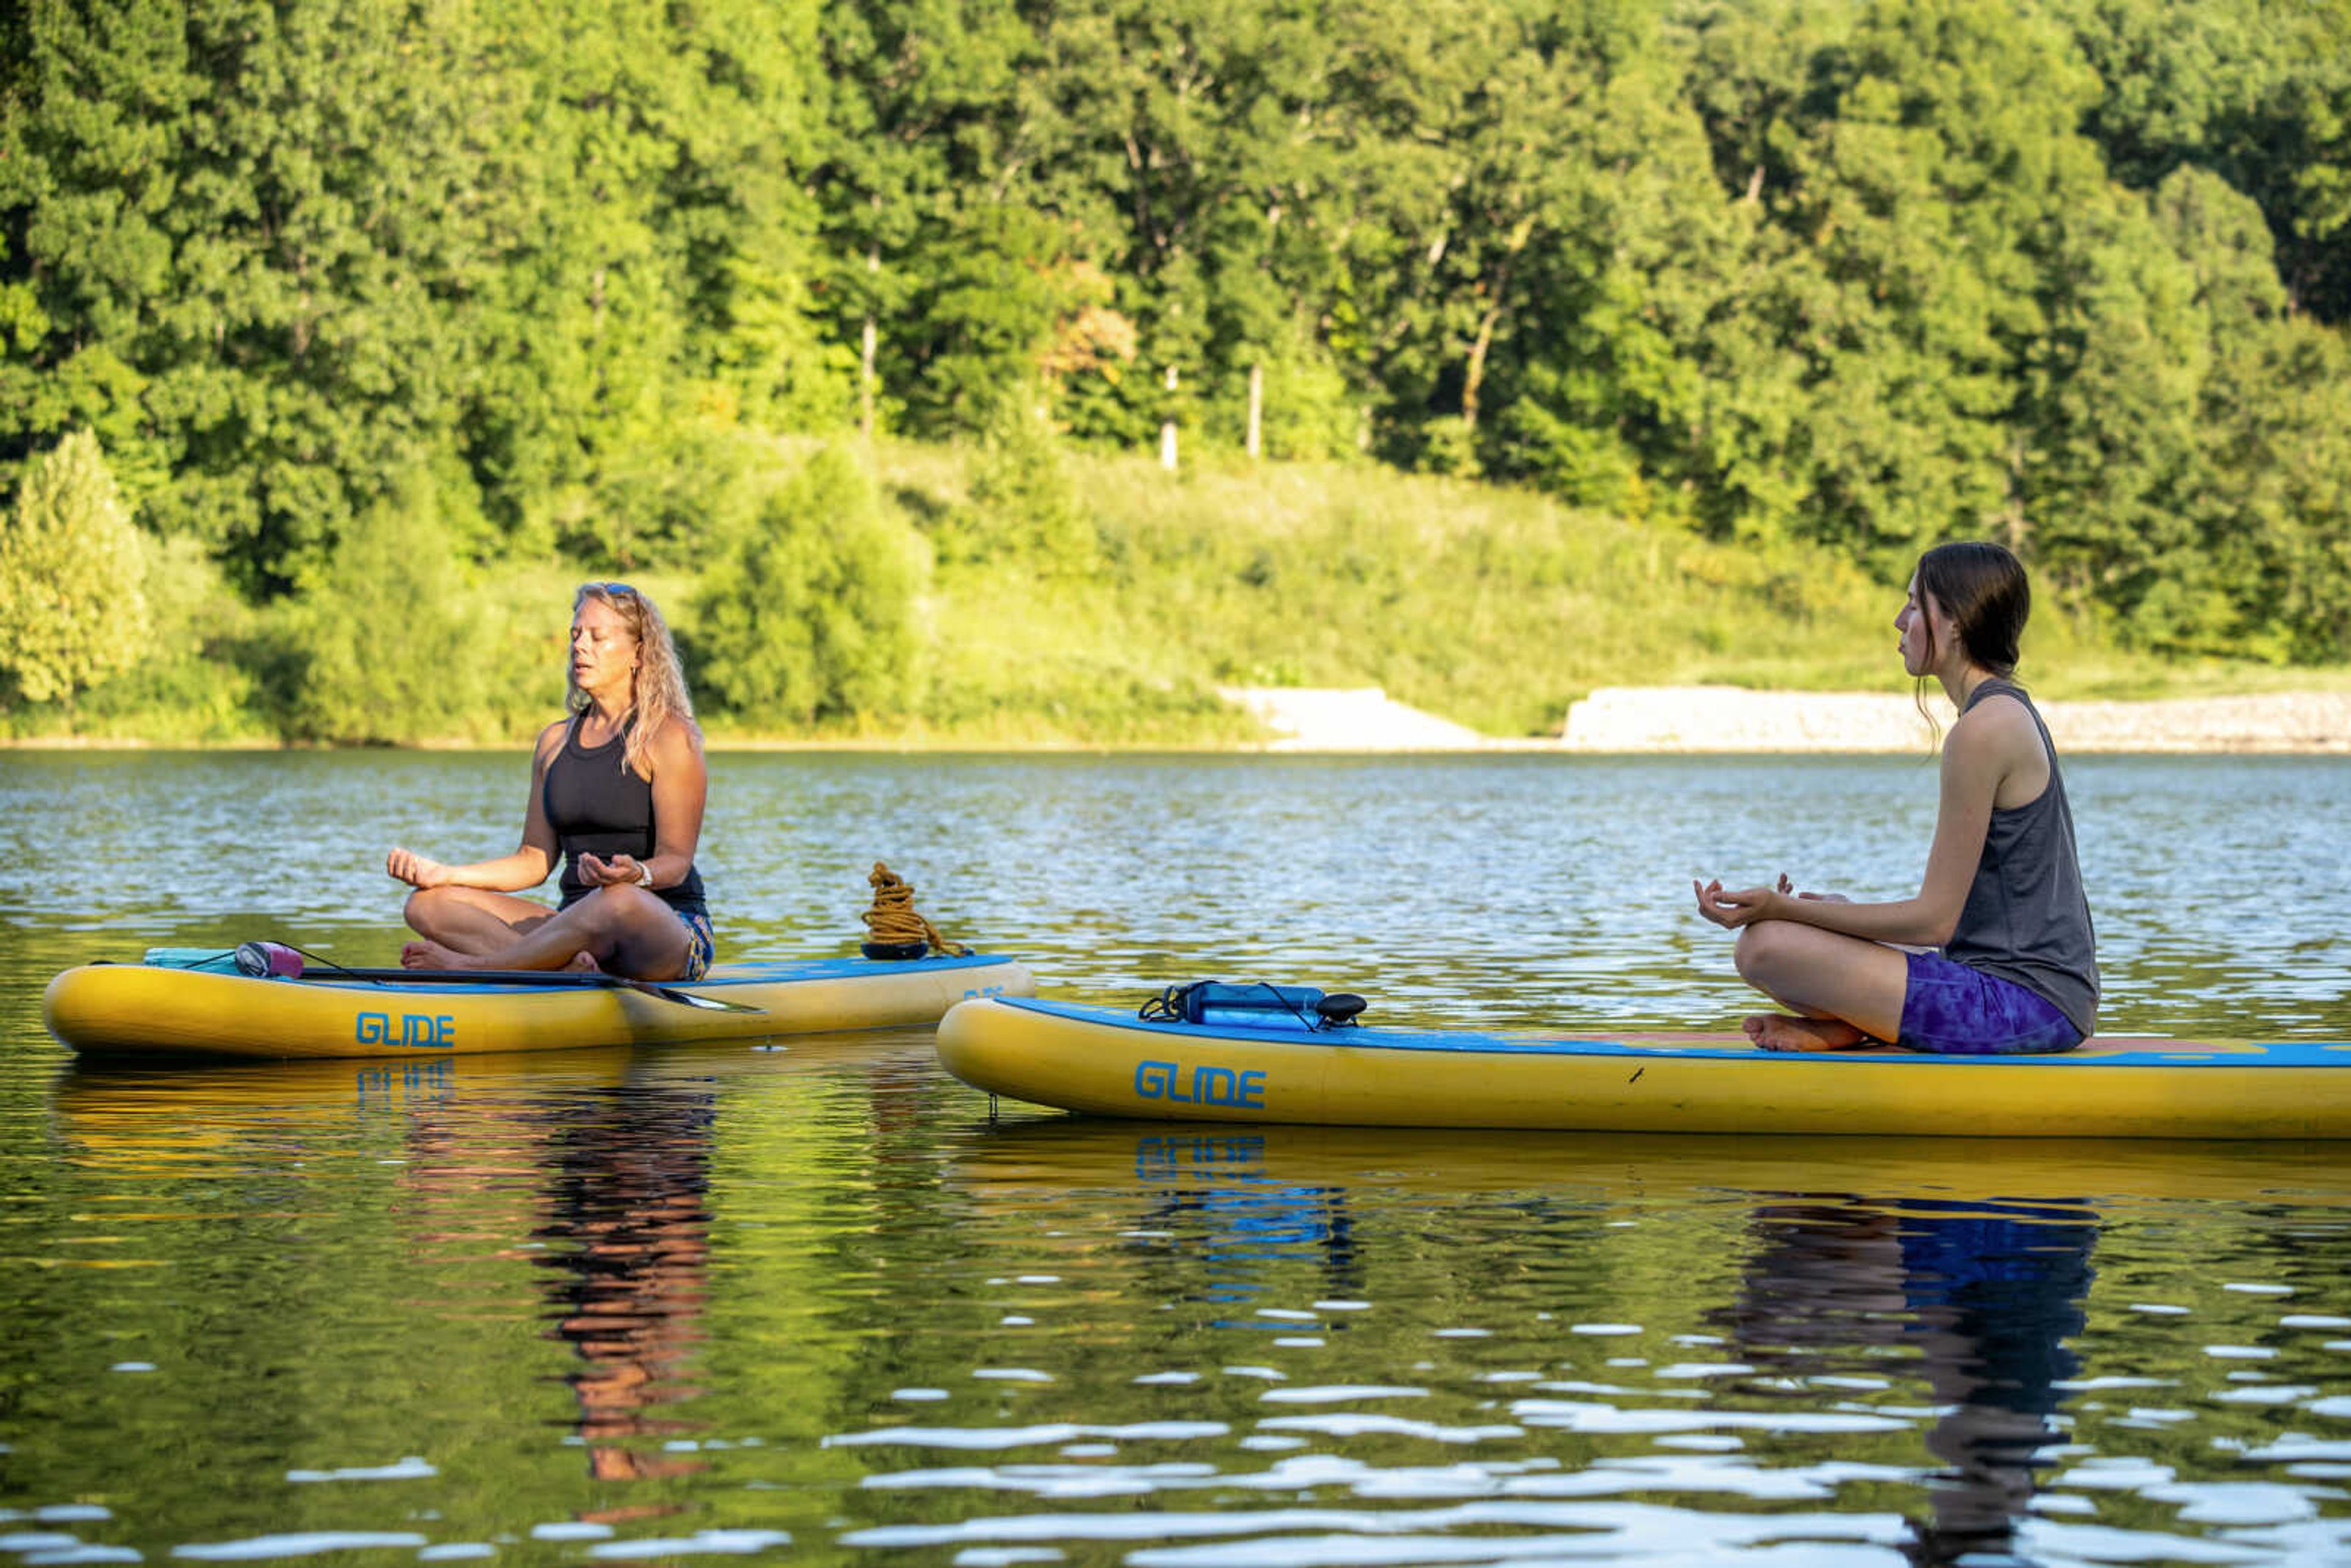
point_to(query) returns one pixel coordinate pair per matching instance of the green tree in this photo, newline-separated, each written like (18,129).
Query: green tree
(2104,433)
(72,610)
(994,289)
(2265,497)
(2257,92)
(1593,373)
(925,137)
(288,253)
(89,99)
(236,229)
(1907,173)
(651,288)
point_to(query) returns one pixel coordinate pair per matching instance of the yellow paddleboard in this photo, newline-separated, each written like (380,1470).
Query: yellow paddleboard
(155,1010)
(1106,1061)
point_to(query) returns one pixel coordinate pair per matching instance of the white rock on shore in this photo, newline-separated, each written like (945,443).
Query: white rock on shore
(1359,718)
(1727,718)
(1732,720)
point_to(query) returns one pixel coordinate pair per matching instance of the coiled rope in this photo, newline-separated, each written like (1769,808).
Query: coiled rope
(894,918)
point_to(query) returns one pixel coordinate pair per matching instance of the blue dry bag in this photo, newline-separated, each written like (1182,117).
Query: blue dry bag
(1254,1004)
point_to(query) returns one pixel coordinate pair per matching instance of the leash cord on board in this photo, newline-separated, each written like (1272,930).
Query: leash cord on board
(310,958)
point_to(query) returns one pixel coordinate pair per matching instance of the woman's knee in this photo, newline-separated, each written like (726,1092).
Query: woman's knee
(1764,948)
(616,908)
(425,904)
(636,933)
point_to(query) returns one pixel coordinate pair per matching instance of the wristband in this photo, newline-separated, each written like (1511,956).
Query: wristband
(645,875)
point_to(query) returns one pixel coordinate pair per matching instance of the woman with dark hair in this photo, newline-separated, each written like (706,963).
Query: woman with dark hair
(616,798)
(2002,894)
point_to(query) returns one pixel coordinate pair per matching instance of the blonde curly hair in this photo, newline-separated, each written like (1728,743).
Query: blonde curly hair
(658,693)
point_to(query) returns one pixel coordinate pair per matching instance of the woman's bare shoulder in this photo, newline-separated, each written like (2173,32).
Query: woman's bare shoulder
(679,739)
(1998,730)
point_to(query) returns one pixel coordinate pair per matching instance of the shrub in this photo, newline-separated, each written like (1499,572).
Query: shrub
(73,609)
(812,616)
(384,638)
(1023,506)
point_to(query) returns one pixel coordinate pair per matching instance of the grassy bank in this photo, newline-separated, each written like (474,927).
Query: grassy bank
(1491,607)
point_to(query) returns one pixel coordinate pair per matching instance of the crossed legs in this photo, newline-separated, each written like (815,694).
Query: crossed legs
(623,930)
(1844,994)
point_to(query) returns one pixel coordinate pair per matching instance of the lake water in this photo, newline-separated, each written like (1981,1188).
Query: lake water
(812,1303)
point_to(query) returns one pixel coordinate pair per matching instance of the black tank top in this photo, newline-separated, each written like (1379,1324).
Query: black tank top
(600,808)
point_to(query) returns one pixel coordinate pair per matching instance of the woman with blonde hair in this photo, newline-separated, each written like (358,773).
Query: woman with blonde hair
(616,800)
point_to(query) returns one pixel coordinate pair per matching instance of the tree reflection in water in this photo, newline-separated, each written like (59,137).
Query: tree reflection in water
(1986,1294)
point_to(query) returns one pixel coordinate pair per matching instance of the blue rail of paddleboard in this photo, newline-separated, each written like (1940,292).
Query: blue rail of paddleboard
(2118,1053)
(766,972)
(770,971)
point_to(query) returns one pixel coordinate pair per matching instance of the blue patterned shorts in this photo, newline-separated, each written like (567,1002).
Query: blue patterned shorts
(1954,1011)
(700,948)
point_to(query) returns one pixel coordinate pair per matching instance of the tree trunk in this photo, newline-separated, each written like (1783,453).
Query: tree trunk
(1475,376)
(868,342)
(1256,411)
(2014,522)
(1168,427)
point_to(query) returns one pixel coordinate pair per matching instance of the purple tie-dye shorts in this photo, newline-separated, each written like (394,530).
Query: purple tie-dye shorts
(1952,1009)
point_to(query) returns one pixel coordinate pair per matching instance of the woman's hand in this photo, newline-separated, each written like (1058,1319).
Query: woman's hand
(416,870)
(1788,888)
(1732,910)
(619,870)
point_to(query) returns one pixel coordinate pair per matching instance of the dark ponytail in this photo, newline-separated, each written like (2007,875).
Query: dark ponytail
(1981,589)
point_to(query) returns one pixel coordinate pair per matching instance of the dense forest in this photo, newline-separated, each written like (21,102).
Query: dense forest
(330,304)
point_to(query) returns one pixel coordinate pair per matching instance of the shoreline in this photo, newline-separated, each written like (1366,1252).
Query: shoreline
(1696,720)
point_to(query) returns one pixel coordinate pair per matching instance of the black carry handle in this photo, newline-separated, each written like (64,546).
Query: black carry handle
(1339,1009)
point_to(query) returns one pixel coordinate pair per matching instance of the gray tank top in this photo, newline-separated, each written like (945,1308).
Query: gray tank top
(2027,918)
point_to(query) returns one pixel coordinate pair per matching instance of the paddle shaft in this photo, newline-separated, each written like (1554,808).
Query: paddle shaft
(592,979)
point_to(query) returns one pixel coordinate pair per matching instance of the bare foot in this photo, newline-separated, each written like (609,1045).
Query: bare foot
(1778,1031)
(585,963)
(426,955)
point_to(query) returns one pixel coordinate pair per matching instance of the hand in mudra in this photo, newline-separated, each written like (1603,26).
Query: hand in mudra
(1729,908)
(417,871)
(619,870)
